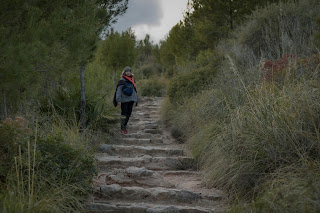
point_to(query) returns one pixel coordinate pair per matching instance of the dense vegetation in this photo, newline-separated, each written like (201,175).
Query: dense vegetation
(245,99)
(242,84)
(46,162)
(57,79)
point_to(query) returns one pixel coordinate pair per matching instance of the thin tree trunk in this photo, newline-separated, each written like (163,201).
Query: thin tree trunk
(83,99)
(231,18)
(114,79)
(51,86)
(60,83)
(0,110)
(31,96)
(5,108)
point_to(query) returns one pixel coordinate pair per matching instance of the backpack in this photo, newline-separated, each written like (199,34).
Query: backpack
(127,88)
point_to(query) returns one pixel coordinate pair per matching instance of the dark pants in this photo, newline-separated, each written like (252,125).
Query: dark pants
(126,110)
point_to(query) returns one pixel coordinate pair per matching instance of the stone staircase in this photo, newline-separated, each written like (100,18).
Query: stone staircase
(147,171)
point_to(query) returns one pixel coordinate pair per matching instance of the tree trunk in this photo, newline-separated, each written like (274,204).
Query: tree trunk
(231,18)
(31,95)
(5,108)
(114,79)
(82,99)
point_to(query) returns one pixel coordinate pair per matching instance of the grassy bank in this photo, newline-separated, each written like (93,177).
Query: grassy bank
(252,122)
(47,163)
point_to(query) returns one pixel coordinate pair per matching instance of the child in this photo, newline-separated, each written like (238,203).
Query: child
(126,94)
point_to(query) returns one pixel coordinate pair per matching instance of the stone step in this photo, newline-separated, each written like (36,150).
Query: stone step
(156,194)
(153,131)
(121,207)
(145,113)
(142,119)
(132,150)
(149,162)
(141,135)
(143,125)
(133,176)
(140,141)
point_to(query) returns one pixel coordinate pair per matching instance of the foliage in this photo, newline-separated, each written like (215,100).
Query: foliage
(276,30)
(61,161)
(152,87)
(13,133)
(44,42)
(255,129)
(167,58)
(66,104)
(182,42)
(186,85)
(42,170)
(149,70)
(117,51)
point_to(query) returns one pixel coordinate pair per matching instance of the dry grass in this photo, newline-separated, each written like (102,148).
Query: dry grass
(260,140)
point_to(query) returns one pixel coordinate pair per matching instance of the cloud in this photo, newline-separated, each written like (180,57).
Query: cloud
(140,12)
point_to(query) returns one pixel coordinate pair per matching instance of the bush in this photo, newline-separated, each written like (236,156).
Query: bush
(188,84)
(66,104)
(149,70)
(13,133)
(281,29)
(39,171)
(289,189)
(60,161)
(255,129)
(152,87)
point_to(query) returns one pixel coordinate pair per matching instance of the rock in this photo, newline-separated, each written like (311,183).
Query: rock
(120,179)
(136,172)
(163,194)
(188,196)
(163,209)
(106,148)
(135,193)
(109,191)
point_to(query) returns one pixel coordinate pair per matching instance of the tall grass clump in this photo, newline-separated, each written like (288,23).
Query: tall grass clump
(277,127)
(44,169)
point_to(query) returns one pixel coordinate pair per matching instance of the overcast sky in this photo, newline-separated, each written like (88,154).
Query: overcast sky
(153,17)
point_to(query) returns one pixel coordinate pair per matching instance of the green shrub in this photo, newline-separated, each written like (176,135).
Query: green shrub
(152,87)
(289,189)
(281,29)
(255,137)
(149,70)
(188,84)
(60,161)
(13,133)
(275,128)
(239,143)
(65,103)
(42,174)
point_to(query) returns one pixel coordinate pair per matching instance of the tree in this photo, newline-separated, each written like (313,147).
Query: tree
(166,57)
(215,19)
(317,35)
(118,51)
(144,51)
(42,40)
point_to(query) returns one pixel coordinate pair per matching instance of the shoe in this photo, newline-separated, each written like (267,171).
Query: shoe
(124,131)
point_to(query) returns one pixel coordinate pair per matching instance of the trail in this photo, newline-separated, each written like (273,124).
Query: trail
(147,171)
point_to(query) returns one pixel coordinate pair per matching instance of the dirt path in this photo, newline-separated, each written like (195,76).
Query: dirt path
(147,171)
